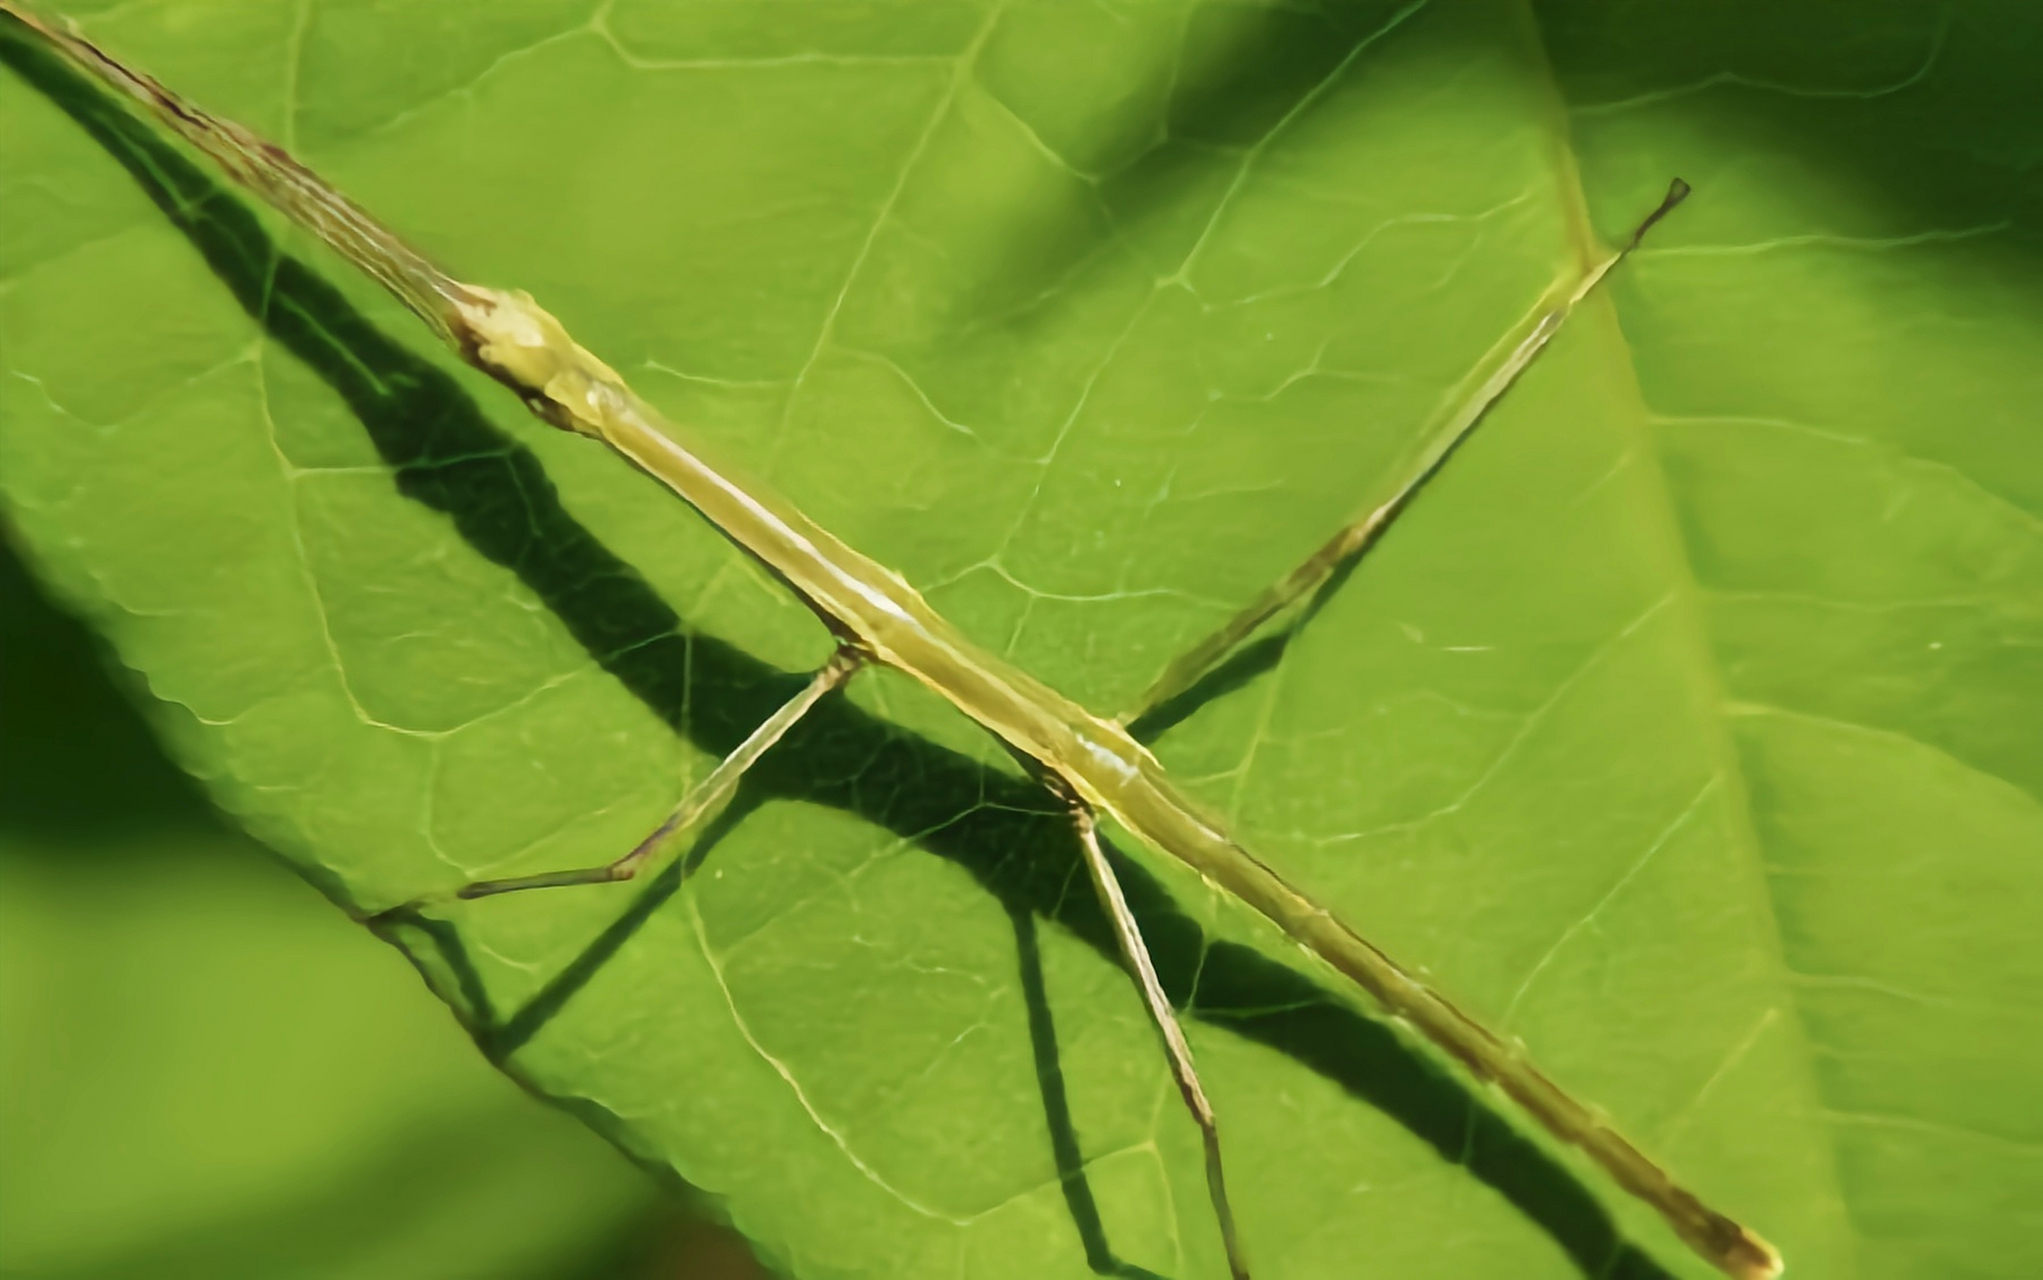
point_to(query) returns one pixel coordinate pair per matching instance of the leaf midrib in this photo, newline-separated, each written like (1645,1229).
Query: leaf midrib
(1703,671)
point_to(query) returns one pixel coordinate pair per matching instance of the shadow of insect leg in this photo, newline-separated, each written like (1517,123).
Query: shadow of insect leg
(1071,1176)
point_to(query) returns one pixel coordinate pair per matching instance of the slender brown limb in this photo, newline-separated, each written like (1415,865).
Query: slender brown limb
(1358,537)
(1135,953)
(704,797)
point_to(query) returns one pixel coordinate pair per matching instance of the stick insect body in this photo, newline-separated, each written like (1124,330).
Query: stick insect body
(1092,764)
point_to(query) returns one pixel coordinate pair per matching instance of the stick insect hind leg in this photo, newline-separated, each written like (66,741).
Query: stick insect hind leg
(704,797)
(1156,1002)
(1493,378)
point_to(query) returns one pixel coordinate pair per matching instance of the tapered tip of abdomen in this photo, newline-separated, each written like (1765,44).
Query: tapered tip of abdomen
(1751,1258)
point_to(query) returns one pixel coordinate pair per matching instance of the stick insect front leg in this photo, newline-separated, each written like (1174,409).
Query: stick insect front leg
(700,800)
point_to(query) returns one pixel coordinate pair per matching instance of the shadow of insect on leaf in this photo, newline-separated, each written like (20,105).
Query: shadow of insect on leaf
(446,455)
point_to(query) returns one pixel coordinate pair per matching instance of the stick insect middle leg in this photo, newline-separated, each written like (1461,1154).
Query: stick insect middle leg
(700,800)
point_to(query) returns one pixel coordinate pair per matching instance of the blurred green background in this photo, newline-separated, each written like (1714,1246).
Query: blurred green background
(206,1071)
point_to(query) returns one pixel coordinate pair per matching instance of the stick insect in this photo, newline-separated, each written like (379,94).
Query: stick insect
(1092,765)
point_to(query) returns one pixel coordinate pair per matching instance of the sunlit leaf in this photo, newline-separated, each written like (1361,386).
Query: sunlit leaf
(1684,730)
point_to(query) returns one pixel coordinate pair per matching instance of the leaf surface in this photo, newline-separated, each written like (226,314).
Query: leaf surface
(204,1070)
(1682,730)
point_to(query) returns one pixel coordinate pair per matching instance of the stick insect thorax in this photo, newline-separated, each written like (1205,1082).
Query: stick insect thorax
(880,618)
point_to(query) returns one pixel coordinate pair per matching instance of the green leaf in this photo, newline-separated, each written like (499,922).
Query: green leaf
(1684,729)
(205,1071)
(300,1111)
